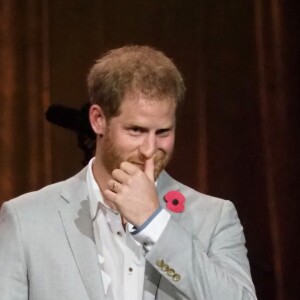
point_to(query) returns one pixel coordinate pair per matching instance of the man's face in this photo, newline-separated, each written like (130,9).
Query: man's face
(144,129)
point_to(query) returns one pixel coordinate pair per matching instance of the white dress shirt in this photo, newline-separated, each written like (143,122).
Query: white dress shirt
(121,252)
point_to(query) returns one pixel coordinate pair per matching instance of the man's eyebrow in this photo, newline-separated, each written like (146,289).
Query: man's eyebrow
(139,127)
(134,126)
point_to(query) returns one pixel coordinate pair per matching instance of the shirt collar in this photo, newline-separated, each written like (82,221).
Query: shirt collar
(95,195)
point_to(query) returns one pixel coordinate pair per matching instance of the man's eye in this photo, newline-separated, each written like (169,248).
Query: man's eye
(163,132)
(135,130)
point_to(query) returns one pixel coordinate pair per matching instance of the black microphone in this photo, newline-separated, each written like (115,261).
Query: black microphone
(70,118)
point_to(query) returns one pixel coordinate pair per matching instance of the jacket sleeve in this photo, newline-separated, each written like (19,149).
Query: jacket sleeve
(13,272)
(197,271)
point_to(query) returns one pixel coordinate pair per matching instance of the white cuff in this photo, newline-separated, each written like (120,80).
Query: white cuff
(150,234)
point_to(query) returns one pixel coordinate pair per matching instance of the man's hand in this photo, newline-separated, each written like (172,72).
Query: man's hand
(133,192)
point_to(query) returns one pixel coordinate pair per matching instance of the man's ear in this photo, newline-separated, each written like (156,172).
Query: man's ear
(97,119)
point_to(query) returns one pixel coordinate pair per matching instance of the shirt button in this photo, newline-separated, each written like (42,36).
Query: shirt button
(119,233)
(130,269)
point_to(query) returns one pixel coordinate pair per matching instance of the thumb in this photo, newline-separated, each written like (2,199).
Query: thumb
(149,168)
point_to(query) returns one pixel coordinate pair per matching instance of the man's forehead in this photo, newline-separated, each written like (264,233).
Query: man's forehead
(148,106)
(146,113)
(147,95)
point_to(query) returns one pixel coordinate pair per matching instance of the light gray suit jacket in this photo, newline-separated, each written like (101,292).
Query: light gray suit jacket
(47,247)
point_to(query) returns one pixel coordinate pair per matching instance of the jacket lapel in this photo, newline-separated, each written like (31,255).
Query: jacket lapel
(165,184)
(76,218)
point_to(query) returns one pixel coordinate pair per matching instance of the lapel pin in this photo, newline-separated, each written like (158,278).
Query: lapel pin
(175,201)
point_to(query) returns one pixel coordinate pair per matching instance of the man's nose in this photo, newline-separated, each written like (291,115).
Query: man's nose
(148,146)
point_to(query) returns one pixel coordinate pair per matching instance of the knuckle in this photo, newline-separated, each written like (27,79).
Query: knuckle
(110,183)
(114,172)
(123,165)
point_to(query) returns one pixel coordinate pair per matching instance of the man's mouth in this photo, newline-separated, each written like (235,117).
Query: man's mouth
(139,164)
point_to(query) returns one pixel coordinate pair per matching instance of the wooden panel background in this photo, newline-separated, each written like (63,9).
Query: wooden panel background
(238,135)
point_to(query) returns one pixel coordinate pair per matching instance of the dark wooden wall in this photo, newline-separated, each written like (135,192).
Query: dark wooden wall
(238,135)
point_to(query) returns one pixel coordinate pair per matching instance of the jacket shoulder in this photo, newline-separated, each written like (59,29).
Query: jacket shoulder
(47,194)
(192,196)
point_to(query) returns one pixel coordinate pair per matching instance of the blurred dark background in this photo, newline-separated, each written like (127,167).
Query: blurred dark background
(238,136)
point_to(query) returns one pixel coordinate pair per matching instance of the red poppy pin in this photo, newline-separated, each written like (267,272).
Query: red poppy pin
(175,201)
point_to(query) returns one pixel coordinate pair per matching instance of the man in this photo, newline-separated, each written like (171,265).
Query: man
(123,228)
